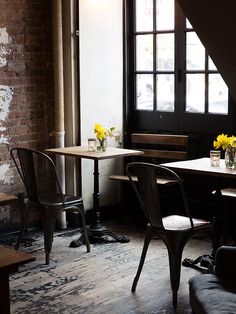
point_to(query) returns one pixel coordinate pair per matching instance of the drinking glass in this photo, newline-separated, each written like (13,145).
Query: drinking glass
(215,158)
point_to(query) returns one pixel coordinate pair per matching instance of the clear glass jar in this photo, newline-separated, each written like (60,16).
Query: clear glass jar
(102,145)
(230,157)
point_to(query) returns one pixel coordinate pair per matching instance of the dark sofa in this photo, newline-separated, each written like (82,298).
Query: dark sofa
(216,293)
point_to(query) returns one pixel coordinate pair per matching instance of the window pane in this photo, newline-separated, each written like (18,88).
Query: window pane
(165,52)
(195,93)
(188,24)
(144,15)
(144,50)
(218,94)
(165,14)
(195,59)
(144,92)
(165,92)
(211,65)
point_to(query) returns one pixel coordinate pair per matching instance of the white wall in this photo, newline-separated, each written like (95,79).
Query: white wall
(100,87)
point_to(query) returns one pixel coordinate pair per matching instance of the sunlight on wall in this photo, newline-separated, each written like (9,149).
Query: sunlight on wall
(100,84)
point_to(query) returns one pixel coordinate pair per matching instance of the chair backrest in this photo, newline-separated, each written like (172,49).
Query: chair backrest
(159,147)
(38,173)
(143,177)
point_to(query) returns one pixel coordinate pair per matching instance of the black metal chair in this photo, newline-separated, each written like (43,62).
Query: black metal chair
(174,230)
(39,175)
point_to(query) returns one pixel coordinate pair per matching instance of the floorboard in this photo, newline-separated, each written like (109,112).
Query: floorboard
(100,281)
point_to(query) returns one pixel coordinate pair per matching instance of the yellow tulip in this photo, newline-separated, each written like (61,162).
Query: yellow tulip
(224,141)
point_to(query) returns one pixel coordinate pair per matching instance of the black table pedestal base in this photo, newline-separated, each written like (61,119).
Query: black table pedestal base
(100,234)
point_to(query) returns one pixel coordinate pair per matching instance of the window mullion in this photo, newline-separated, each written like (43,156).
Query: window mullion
(206,83)
(180,56)
(154,57)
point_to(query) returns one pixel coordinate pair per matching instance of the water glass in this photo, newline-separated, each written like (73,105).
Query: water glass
(92,144)
(215,158)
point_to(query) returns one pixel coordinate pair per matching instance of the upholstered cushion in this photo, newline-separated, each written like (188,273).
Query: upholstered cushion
(210,295)
(176,222)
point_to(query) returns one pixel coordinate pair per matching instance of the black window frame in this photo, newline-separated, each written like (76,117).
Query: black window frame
(179,121)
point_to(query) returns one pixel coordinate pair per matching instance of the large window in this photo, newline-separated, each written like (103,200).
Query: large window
(172,82)
(154,39)
(206,92)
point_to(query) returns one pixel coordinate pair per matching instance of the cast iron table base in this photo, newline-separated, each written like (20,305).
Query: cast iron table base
(100,234)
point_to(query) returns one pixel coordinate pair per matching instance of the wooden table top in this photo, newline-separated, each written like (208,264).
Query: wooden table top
(201,166)
(11,259)
(82,151)
(7,198)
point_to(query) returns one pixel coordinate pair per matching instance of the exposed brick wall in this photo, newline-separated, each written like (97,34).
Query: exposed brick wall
(26,87)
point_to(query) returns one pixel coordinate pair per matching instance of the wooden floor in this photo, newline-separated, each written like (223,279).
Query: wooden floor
(100,281)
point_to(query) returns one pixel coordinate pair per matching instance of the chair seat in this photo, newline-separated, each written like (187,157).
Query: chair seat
(72,200)
(230,192)
(161,181)
(55,200)
(177,222)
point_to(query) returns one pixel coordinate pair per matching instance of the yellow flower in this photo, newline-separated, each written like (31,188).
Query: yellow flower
(224,141)
(233,141)
(102,132)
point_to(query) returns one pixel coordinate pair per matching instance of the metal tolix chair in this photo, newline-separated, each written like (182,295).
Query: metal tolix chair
(175,230)
(39,175)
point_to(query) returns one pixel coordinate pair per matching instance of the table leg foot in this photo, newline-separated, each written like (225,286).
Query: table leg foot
(100,234)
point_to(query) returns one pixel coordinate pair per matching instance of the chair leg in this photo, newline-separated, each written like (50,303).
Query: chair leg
(49,221)
(81,210)
(224,222)
(147,239)
(215,243)
(175,248)
(24,219)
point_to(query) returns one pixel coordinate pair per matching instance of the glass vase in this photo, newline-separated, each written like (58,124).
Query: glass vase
(230,157)
(102,145)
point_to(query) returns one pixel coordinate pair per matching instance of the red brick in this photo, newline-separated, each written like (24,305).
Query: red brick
(29,72)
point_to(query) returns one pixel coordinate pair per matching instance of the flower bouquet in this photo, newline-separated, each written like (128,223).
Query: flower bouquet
(227,143)
(101,134)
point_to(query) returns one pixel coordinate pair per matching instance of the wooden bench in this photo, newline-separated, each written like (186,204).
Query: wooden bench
(157,148)
(10,260)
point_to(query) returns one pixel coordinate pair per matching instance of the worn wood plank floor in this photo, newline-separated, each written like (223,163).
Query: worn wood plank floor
(100,281)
